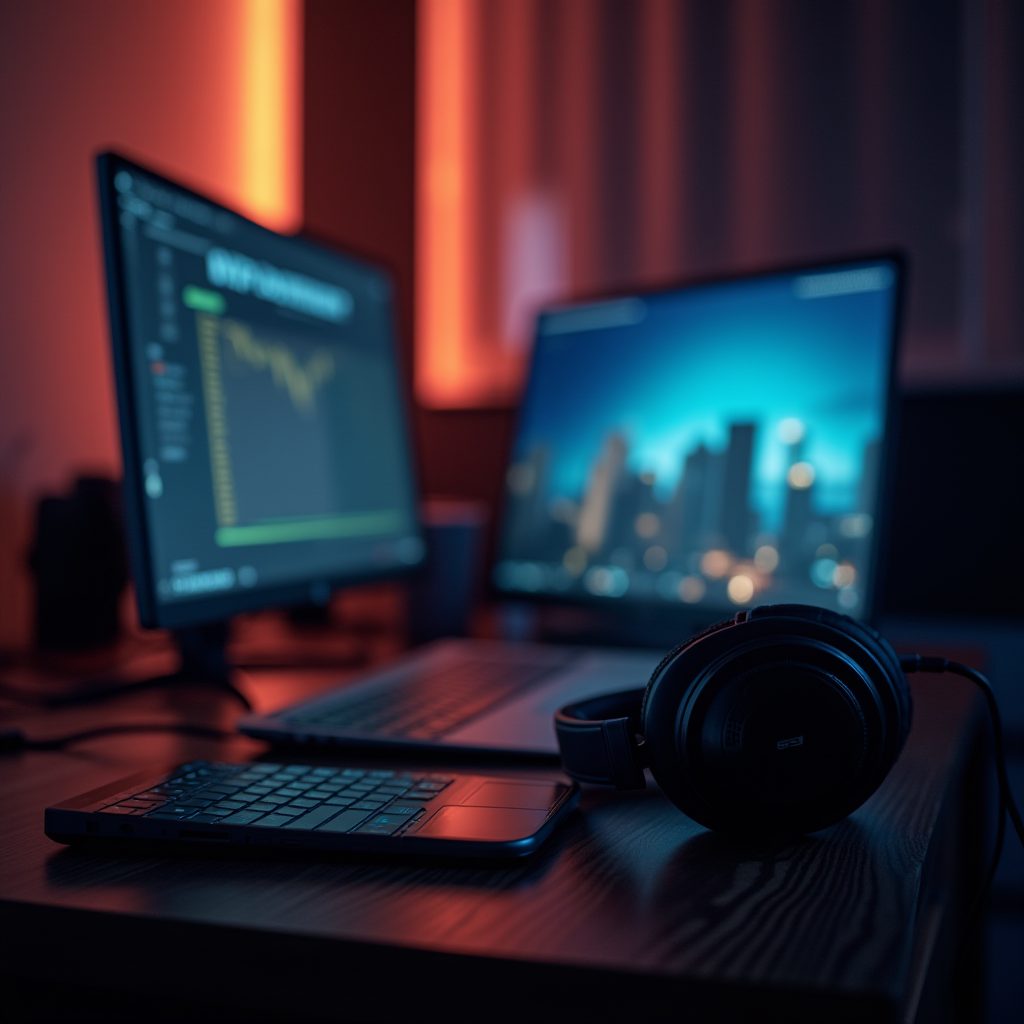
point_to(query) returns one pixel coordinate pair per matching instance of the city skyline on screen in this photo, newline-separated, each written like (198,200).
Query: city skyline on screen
(766,395)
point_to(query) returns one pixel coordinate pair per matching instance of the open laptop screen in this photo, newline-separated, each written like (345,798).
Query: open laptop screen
(719,445)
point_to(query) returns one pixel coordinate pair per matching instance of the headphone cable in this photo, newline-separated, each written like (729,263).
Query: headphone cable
(1007,805)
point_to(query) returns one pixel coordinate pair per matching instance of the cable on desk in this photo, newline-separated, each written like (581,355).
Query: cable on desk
(1007,806)
(12,740)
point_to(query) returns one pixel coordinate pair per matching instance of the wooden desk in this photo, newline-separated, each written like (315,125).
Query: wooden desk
(630,909)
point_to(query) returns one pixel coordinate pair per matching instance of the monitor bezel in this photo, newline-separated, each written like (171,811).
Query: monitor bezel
(185,613)
(701,612)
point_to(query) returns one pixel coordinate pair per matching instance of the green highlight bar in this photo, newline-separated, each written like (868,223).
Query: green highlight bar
(203,300)
(323,528)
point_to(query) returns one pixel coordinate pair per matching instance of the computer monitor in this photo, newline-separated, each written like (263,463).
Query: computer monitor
(708,447)
(263,427)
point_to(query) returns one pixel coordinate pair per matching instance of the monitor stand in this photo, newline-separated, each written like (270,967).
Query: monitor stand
(202,651)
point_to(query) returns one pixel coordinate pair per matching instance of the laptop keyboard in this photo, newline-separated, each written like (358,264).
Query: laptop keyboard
(287,796)
(429,704)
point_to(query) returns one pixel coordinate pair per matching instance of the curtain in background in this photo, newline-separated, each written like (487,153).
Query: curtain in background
(573,146)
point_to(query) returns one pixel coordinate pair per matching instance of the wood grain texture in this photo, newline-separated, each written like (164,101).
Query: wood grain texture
(629,891)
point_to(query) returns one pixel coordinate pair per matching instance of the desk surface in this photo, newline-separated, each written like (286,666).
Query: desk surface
(629,902)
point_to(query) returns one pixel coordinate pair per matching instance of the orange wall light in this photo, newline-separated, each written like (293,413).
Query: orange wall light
(442,165)
(269,186)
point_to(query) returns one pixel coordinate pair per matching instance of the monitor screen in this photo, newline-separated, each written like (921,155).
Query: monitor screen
(264,431)
(718,446)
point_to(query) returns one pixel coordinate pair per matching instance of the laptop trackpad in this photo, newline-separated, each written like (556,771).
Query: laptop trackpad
(497,824)
(538,796)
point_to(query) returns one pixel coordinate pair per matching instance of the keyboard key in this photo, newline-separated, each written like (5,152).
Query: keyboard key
(318,794)
(120,809)
(228,805)
(275,799)
(246,817)
(304,803)
(384,824)
(197,802)
(324,771)
(313,818)
(205,818)
(263,807)
(401,807)
(343,822)
(273,820)
(420,794)
(368,805)
(339,801)
(290,791)
(382,775)
(173,810)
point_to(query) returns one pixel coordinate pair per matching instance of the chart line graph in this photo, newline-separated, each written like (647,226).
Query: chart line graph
(300,380)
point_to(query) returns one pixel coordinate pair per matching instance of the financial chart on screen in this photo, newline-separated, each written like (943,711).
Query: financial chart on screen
(717,445)
(268,416)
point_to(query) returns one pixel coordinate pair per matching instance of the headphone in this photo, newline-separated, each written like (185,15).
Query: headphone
(779,721)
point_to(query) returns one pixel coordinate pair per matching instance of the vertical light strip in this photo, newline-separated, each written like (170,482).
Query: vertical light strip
(442,185)
(269,176)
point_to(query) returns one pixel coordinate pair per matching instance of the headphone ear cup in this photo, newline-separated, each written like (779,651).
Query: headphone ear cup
(782,721)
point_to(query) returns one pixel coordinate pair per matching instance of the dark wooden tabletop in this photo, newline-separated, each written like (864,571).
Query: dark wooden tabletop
(629,904)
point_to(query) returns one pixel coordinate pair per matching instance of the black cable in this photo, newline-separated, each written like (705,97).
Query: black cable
(108,691)
(1007,805)
(14,739)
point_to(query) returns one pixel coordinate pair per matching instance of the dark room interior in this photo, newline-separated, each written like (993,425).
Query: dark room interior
(500,177)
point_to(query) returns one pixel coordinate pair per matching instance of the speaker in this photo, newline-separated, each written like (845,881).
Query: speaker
(780,721)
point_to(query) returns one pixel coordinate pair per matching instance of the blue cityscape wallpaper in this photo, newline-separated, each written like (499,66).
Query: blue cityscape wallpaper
(714,445)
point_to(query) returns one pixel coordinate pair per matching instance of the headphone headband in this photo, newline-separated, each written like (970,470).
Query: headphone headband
(599,740)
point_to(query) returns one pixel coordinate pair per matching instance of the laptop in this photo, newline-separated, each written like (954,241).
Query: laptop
(681,454)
